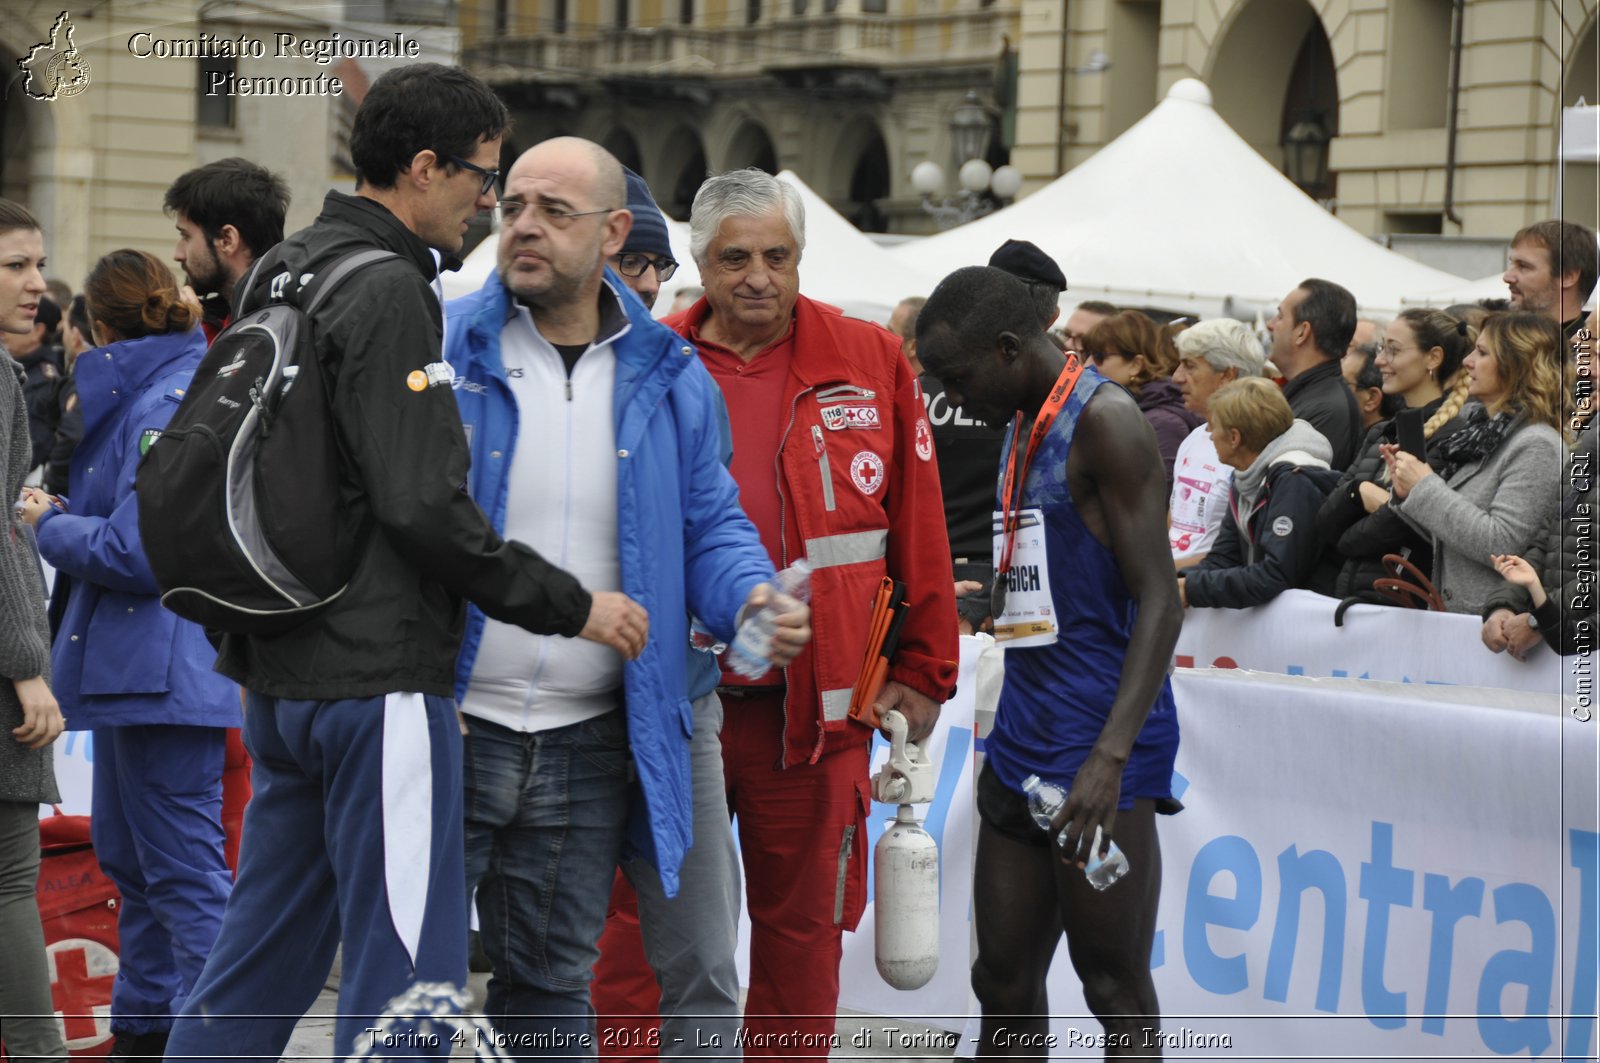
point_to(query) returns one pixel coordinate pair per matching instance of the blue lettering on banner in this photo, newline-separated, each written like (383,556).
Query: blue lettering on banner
(1320,870)
(1523,979)
(1382,885)
(70,744)
(1449,905)
(1526,904)
(1586,971)
(1222,975)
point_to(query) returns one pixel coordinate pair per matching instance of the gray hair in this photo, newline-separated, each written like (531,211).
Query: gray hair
(742,193)
(1224,344)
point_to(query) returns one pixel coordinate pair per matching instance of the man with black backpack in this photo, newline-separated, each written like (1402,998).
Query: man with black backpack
(355,832)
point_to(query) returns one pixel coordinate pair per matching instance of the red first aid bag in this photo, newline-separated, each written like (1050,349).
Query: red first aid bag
(78,905)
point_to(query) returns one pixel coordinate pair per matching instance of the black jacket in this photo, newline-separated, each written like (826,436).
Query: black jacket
(1361,538)
(1279,550)
(398,626)
(1565,558)
(968,454)
(43,379)
(1321,397)
(69,433)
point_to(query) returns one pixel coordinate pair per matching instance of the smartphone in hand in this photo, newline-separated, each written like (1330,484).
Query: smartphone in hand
(1408,433)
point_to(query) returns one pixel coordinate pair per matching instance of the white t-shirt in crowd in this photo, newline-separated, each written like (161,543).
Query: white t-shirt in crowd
(1200,488)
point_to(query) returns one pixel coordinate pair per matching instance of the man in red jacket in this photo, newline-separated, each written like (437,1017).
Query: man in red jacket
(832,406)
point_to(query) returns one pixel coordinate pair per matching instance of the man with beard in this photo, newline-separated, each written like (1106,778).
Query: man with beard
(1551,270)
(228,214)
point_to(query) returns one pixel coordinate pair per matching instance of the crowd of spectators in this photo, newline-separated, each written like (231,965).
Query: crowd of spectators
(1288,454)
(1301,483)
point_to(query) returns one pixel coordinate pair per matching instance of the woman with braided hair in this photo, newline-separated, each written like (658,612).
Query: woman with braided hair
(132,672)
(1490,487)
(1420,360)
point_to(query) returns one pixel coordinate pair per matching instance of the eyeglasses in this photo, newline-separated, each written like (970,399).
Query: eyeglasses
(511,209)
(1102,357)
(634,263)
(490,177)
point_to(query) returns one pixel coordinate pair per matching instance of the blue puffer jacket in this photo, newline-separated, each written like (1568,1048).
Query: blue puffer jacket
(119,658)
(665,412)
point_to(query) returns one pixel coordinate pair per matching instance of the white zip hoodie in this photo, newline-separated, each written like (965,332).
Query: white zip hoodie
(562,501)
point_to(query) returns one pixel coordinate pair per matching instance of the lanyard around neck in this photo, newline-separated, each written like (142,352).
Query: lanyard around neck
(1011,516)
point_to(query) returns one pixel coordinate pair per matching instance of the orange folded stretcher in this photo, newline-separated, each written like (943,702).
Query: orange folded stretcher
(889,610)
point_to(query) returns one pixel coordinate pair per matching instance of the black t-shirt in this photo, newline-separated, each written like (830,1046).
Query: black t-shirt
(969,460)
(570,353)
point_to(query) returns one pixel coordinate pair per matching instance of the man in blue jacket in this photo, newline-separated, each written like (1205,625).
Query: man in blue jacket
(595,440)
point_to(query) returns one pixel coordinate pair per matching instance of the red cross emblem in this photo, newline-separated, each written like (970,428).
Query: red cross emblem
(81,975)
(866,472)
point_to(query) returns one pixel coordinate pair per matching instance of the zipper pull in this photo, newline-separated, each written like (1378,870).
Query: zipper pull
(569,389)
(816,437)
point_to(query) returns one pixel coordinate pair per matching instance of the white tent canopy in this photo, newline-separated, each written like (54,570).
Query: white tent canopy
(1180,212)
(1491,287)
(841,265)
(1580,133)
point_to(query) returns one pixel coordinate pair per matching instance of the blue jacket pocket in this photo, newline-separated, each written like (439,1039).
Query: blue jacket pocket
(128,646)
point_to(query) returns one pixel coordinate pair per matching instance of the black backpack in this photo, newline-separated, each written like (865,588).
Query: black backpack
(239,498)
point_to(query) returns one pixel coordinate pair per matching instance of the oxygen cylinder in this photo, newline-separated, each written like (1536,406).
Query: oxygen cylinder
(906,867)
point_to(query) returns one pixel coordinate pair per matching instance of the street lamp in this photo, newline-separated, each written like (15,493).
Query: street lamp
(981,186)
(1305,155)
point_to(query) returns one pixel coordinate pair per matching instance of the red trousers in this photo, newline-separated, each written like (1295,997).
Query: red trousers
(802,836)
(236,793)
(624,993)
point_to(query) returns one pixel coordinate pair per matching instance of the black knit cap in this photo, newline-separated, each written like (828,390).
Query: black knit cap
(1025,261)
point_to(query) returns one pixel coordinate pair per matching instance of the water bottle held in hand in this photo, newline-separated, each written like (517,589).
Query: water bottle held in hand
(702,638)
(1045,799)
(751,652)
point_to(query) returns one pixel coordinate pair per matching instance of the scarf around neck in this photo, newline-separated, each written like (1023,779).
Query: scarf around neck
(1480,437)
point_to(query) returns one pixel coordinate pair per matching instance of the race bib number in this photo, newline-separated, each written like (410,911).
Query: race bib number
(1025,613)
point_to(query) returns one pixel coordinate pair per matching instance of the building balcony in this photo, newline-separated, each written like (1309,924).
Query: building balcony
(790,49)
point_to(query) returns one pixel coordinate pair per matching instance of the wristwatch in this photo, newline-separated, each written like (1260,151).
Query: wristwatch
(1533,622)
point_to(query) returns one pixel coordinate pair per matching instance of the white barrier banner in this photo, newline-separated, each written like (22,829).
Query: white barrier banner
(1295,635)
(1363,870)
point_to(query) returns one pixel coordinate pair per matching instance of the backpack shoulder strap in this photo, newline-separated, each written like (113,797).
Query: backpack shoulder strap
(247,285)
(330,277)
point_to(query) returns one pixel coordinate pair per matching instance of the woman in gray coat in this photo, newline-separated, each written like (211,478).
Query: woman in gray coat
(29,716)
(1494,484)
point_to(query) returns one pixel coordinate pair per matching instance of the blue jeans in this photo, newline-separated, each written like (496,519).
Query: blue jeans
(546,812)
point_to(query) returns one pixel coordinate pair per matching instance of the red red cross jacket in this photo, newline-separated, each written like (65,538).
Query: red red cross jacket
(861,499)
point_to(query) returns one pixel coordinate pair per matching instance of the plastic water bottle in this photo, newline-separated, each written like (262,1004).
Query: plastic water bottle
(702,638)
(1045,799)
(751,652)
